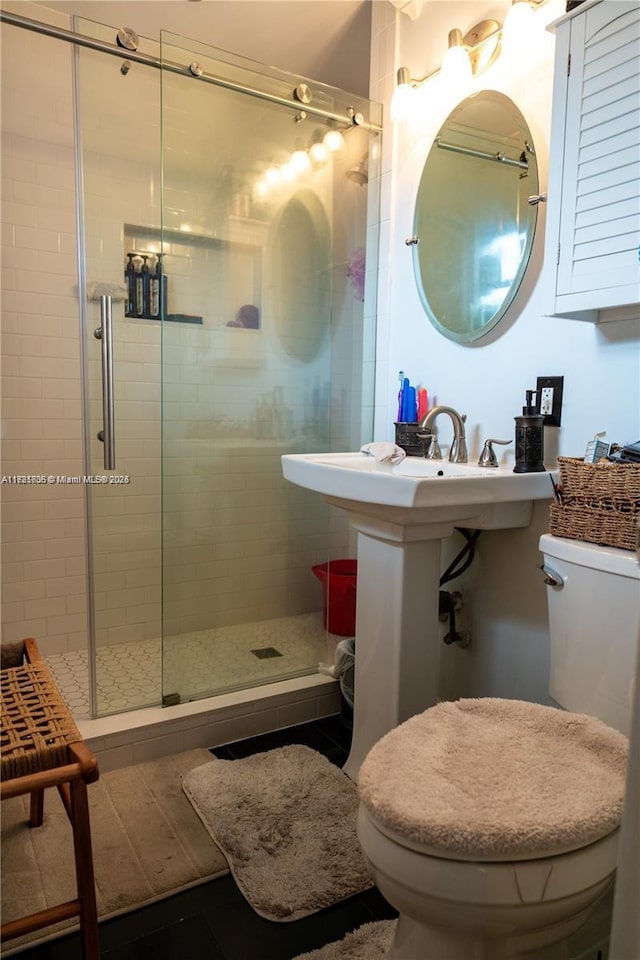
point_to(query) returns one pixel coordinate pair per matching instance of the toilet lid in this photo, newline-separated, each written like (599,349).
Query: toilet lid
(493,778)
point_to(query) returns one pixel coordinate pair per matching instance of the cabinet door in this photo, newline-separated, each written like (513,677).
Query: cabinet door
(600,222)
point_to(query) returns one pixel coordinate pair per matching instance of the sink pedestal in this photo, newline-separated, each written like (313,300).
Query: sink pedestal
(396,665)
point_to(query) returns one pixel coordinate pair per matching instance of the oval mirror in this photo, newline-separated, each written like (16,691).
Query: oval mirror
(473,221)
(300,257)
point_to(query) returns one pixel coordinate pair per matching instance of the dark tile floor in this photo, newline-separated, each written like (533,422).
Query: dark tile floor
(214,921)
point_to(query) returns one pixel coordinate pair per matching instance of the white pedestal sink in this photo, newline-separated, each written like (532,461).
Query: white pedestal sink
(401,514)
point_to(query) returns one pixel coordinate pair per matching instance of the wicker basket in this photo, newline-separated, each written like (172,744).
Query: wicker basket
(600,503)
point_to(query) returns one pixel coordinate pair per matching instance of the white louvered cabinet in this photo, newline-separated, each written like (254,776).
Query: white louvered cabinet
(593,222)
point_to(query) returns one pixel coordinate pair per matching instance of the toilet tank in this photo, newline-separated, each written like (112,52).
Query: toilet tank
(594,624)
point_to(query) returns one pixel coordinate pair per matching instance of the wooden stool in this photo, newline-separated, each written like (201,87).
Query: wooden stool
(42,747)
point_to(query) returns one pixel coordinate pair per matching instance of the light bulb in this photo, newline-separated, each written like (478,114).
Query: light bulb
(288,172)
(334,142)
(519,29)
(456,66)
(272,177)
(402,102)
(300,162)
(318,154)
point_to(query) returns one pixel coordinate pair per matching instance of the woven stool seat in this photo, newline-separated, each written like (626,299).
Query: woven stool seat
(41,747)
(36,726)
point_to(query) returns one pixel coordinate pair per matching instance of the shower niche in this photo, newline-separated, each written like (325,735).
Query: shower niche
(210,280)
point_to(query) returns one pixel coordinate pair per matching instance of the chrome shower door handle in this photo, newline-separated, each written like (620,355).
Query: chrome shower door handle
(104,333)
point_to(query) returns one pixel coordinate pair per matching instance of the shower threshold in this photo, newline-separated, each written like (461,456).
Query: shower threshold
(138,736)
(134,726)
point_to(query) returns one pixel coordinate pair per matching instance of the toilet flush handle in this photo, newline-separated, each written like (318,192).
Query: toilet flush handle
(551,578)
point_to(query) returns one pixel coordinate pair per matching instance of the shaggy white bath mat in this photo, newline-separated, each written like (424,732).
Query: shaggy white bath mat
(286,822)
(370,942)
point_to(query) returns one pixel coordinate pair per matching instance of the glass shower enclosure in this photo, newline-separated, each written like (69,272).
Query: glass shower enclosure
(245,202)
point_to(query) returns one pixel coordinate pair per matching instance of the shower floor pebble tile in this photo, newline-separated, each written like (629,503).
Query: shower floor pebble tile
(134,675)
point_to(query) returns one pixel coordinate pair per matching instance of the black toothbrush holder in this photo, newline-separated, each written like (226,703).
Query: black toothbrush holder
(407,437)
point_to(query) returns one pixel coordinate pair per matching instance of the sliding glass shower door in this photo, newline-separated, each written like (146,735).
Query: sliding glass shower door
(241,214)
(264,213)
(119,162)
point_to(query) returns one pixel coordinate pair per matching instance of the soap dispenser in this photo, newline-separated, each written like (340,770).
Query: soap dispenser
(529,439)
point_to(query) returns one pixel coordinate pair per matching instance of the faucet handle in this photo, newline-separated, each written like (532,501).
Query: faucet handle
(488,456)
(432,447)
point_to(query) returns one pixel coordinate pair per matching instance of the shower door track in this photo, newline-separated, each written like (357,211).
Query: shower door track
(349,119)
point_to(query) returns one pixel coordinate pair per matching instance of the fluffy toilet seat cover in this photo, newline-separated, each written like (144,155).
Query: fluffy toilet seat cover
(497,778)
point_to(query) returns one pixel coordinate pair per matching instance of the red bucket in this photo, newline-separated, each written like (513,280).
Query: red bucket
(339,580)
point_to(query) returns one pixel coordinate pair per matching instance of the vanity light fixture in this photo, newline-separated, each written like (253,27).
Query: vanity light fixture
(468,55)
(483,43)
(304,160)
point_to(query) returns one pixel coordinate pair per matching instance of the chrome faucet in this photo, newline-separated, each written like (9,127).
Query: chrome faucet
(458,451)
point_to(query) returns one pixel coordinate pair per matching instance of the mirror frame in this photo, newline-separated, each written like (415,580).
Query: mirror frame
(421,211)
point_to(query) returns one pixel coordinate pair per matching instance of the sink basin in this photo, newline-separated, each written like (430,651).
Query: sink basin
(426,488)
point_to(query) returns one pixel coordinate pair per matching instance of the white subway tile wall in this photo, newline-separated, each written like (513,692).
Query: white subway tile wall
(43,538)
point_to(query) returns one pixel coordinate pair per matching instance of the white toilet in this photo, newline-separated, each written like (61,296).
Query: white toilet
(491,825)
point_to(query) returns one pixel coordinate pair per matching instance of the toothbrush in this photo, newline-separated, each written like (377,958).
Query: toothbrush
(401,379)
(423,403)
(404,416)
(411,409)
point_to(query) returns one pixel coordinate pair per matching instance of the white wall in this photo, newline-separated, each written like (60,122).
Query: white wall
(505,600)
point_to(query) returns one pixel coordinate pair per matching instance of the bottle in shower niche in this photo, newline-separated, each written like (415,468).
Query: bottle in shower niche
(158,296)
(130,284)
(162,287)
(144,300)
(154,290)
(139,301)
(529,438)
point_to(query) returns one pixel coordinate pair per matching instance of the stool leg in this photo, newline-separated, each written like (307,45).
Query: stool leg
(84,869)
(36,808)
